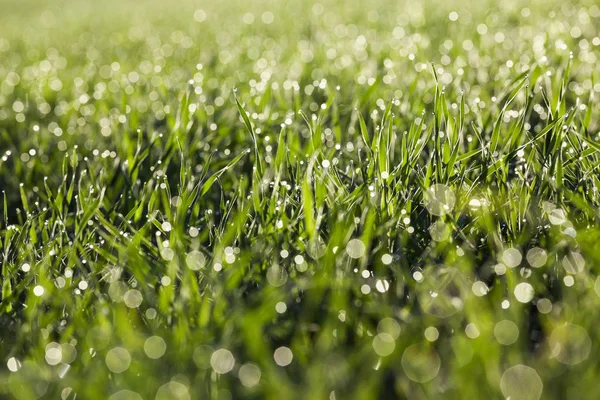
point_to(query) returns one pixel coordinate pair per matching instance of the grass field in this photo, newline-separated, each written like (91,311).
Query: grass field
(299,200)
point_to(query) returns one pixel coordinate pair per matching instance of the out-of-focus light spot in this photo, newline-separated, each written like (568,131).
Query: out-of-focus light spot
(384,344)
(524,292)
(421,364)
(118,360)
(521,382)
(355,248)
(506,332)
(155,347)
(222,361)
(283,356)
(249,375)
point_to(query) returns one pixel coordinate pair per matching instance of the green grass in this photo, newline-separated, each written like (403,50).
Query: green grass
(335,200)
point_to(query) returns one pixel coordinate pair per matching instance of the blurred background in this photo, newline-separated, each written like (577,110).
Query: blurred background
(107,76)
